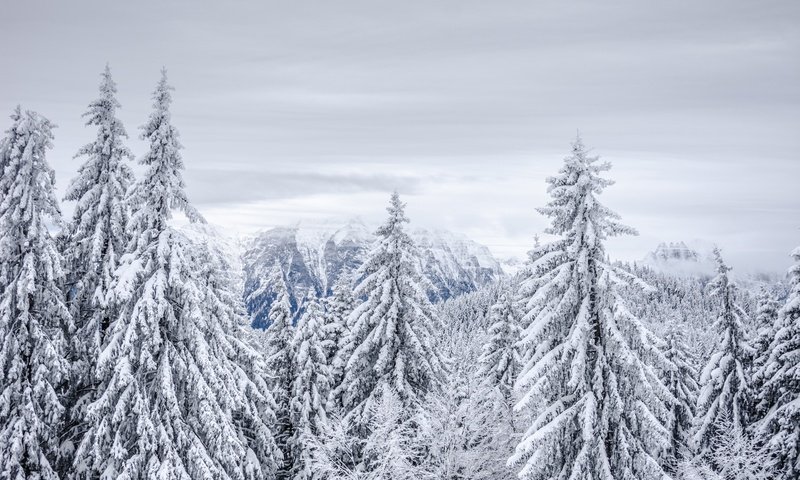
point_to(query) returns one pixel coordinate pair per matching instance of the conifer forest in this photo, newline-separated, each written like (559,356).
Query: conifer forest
(143,337)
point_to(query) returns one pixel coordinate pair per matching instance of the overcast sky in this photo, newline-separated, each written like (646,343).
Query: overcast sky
(292,110)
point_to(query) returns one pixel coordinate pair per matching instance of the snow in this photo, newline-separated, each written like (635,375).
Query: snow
(683,259)
(315,253)
(229,245)
(511,266)
(454,250)
(451,250)
(548,363)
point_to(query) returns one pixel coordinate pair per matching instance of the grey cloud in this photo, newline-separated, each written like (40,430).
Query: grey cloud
(219,187)
(696,103)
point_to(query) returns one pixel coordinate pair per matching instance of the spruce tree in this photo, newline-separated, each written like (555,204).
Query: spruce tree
(280,364)
(500,359)
(171,394)
(96,238)
(392,445)
(682,383)
(765,325)
(33,315)
(466,429)
(310,388)
(591,376)
(780,394)
(253,407)
(766,317)
(393,327)
(335,332)
(724,381)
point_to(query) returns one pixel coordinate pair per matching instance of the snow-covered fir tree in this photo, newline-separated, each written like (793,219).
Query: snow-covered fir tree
(96,238)
(780,393)
(390,450)
(391,445)
(170,386)
(338,308)
(500,359)
(682,383)
(33,315)
(310,388)
(253,406)
(731,455)
(466,429)
(462,432)
(766,318)
(392,334)
(683,300)
(280,364)
(592,377)
(725,380)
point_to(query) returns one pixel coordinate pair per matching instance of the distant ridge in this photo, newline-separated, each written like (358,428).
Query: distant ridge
(313,255)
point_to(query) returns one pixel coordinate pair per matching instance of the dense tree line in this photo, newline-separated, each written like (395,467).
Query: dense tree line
(127,353)
(124,354)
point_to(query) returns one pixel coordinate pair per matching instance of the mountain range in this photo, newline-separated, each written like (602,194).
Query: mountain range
(312,256)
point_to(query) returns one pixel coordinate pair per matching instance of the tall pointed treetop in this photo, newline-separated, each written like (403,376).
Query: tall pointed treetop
(580,178)
(392,336)
(33,315)
(162,188)
(97,236)
(104,177)
(22,153)
(600,407)
(178,395)
(397,217)
(725,394)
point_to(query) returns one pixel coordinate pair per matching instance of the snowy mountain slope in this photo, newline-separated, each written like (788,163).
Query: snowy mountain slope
(454,263)
(512,265)
(314,254)
(227,247)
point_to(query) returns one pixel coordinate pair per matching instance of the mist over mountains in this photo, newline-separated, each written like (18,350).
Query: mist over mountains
(314,254)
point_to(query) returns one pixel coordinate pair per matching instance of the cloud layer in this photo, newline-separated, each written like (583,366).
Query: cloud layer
(313,109)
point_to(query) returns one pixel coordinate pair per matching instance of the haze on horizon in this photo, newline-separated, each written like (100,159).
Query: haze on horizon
(301,110)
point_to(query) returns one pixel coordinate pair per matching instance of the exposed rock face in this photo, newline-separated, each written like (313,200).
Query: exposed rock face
(315,255)
(453,263)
